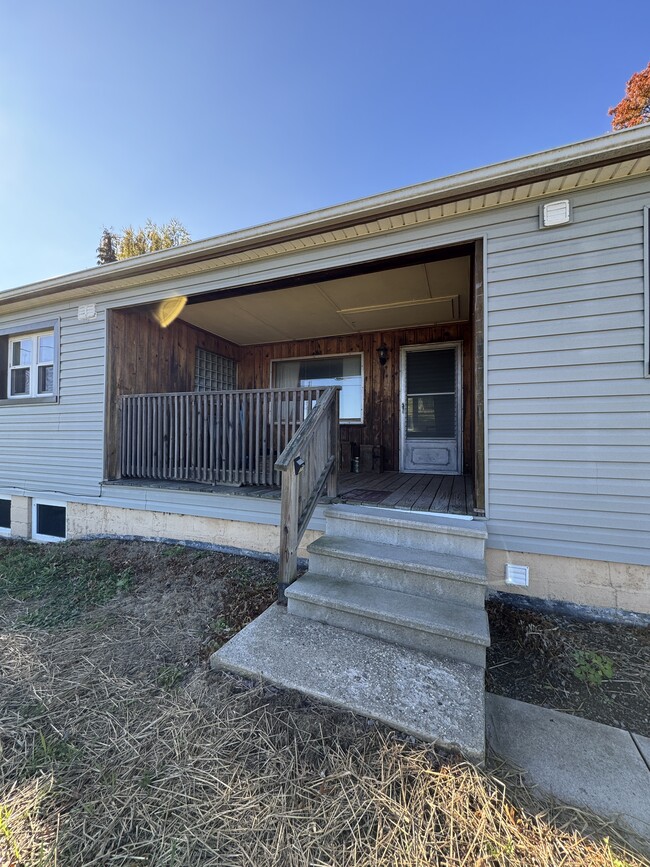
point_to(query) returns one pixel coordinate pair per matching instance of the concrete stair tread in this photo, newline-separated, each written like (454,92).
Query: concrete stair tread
(410,520)
(448,619)
(468,569)
(438,700)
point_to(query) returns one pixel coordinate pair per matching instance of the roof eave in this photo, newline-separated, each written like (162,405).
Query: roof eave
(612,147)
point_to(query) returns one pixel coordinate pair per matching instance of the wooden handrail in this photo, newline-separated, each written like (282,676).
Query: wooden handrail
(307,465)
(305,432)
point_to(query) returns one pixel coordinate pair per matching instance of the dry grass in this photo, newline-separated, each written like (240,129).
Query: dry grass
(104,764)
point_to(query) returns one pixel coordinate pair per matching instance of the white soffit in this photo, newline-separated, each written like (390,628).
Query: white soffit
(428,294)
(509,195)
(556,187)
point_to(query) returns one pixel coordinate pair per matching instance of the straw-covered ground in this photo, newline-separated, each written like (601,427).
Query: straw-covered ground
(120,747)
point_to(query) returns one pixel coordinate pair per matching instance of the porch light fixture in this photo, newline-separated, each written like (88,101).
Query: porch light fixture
(382,353)
(168,310)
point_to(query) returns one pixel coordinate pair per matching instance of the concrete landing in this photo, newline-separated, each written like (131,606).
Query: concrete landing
(438,700)
(578,761)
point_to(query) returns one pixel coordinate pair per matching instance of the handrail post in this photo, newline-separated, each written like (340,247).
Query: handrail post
(289,527)
(333,480)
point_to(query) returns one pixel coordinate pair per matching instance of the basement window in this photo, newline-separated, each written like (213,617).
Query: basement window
(214,372)
(5,516)
(345,371)
(48,522)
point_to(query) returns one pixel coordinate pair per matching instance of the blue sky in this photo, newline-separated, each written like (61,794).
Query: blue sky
(228,114)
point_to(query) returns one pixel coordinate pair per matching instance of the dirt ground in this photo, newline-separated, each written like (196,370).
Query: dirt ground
(119,746)
(600,671)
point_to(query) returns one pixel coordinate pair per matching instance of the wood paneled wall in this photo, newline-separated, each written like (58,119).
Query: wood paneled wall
(381,384)
(143,358)
(146,359)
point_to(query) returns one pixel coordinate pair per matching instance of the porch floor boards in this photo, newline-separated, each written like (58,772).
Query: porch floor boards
(419,492)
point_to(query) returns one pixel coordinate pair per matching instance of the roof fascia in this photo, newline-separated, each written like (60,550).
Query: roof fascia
(592,153)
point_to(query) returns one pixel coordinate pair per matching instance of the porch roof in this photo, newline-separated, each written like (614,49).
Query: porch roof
(582,164)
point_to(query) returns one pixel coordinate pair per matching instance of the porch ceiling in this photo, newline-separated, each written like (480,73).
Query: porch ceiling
(428,294)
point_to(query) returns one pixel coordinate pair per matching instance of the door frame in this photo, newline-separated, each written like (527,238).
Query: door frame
(423,347)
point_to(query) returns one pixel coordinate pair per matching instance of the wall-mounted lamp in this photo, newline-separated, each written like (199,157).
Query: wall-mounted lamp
(382,352)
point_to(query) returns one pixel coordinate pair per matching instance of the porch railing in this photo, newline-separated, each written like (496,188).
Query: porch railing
(308,465)
(232,437)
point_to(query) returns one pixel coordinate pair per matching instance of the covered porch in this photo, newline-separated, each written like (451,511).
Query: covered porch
(216,397)
(361,385)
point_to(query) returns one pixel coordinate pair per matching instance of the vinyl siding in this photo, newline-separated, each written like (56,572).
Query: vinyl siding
(567,404)
(56,450)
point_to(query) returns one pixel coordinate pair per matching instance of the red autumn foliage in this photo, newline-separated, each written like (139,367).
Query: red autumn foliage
(634,108)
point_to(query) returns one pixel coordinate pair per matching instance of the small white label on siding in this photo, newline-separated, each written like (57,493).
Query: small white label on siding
(556,213)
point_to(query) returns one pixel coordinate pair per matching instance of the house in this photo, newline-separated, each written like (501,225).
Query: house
(475,346)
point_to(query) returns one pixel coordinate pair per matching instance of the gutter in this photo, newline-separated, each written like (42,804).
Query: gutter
(591,153)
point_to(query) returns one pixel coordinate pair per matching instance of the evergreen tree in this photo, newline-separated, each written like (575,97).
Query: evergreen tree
(106,251)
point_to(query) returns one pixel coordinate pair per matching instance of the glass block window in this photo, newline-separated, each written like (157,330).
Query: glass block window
(214,372)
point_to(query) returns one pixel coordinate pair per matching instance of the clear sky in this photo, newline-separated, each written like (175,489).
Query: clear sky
(227,114)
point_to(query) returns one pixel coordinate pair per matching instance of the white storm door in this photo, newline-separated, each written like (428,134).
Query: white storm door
(431,402)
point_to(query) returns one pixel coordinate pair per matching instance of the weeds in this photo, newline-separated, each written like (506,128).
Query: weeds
(55,583)
(169,676)
(592,668)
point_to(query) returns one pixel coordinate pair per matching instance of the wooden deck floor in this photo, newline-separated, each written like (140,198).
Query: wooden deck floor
(418,492)
(452,495)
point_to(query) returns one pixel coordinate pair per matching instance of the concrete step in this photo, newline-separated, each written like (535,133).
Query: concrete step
(433,699)
(399,568)
(458,536)
(432,626)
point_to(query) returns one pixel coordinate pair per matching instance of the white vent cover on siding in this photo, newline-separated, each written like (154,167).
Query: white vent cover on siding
(555,214)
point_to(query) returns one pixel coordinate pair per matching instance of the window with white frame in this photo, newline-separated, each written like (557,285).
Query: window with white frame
(345,371)
(31,360)
(48,521)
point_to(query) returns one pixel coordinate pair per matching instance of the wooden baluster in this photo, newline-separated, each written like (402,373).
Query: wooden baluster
(224,440)
(211,438)
(176,437)
(238,443)
(287,411)
(264,421)
(229,438)
(252,423)
(138,437)
(334,448)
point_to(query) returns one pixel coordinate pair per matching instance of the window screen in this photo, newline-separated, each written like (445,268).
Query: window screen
(5,514)
(50,521)
(214,372)
(431,394)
